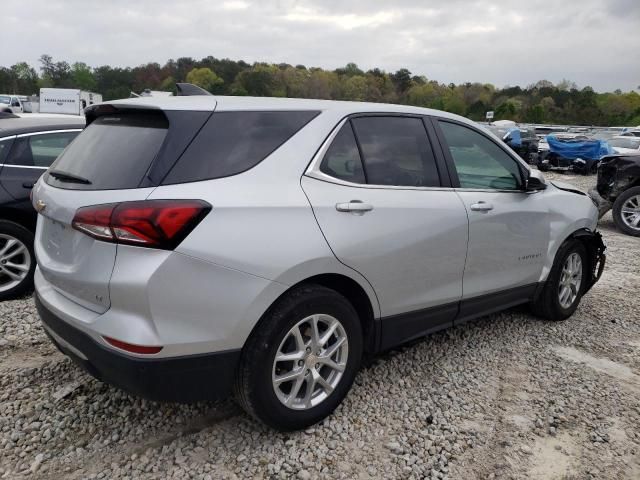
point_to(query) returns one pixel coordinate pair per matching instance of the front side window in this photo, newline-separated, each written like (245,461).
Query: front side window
(479,162)
(396,151)
(342,159)
(40,150)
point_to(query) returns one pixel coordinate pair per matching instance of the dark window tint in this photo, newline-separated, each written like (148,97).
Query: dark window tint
(113,152)
(396,151)
(5,145)
(233,142)
(342,159)
(480,163)
(40,150)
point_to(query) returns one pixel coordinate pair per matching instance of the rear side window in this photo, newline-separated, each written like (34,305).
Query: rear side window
(342,159)
(233,142)
(396,151)
(113,152)
(40,150)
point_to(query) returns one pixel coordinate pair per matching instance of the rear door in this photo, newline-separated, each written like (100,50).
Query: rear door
(30,157)
(378,194)
(508,227)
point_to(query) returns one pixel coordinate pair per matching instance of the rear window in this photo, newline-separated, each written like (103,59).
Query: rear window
(233,142)
(113,152)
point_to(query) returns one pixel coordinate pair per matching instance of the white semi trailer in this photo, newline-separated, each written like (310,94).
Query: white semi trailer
(66,100)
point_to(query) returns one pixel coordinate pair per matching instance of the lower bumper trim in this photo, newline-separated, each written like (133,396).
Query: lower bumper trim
(181,379)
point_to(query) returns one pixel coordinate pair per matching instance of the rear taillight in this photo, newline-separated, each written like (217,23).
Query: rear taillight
(147,223)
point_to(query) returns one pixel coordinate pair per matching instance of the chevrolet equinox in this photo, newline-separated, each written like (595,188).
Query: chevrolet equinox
(195,246)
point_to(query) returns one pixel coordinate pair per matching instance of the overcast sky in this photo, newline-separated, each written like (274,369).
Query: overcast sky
(592,42)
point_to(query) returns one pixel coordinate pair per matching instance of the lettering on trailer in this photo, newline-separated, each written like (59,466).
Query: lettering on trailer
(59,101)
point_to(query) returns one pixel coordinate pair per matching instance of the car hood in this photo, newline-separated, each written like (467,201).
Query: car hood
(625,150)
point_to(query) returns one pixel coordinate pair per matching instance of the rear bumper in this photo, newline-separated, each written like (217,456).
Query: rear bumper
(181,379)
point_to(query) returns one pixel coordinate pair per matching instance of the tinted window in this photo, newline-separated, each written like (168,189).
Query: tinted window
(5,145)
(233,142)
(480,163)
(113,152)
(396,151)
(342,159)
(40,150)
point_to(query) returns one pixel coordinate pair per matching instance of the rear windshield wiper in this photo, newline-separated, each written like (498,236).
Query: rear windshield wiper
(68,177)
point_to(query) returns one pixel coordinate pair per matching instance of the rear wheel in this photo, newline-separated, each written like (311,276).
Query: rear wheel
(301,360)
(626,211)
(565,284)
(17,260)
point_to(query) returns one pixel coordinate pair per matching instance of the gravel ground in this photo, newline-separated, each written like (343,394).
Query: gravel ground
(508,396)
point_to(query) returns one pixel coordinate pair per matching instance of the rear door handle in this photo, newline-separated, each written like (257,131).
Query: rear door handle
(356,207)
(482,206)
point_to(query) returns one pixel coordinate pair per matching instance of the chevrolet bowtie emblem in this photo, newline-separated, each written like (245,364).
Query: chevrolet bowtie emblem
(40,206)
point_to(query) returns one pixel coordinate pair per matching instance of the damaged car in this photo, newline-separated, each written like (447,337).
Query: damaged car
(579,154)
(618,189)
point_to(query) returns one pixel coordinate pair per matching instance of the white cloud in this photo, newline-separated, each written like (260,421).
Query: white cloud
(495,41)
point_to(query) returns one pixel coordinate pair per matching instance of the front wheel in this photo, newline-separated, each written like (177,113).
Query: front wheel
(301,360)
(565,284)
(17,260)
(626,211)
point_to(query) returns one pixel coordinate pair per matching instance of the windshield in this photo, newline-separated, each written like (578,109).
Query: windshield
(5,99)
(629,142)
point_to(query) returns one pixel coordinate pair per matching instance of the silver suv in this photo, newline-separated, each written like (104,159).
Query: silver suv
(192,246)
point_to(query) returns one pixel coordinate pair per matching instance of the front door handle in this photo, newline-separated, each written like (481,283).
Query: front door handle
(482,206)
(28,184)
(356,207)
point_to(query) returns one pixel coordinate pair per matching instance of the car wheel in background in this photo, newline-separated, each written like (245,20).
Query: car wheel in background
(565,284)
(17,260)
(626,211)
(301,359)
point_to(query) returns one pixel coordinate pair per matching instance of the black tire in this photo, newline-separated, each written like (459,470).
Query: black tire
(617,211)
(18,232)
(254,388)
(547,304)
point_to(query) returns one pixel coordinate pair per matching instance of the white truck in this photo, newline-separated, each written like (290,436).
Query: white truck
(66,100)
(11,103)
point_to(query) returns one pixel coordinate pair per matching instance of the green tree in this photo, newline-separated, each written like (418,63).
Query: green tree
(205,78)
(82,76)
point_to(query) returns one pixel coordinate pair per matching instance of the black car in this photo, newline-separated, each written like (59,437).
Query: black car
(28,145)
(618,189)
(525,143)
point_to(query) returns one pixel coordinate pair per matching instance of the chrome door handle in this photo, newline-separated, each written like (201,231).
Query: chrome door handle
(354,206)
(482,206)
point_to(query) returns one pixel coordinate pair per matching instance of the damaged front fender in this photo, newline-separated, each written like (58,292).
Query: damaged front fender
(596,249)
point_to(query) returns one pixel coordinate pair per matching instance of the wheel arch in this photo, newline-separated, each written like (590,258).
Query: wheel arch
(358,295)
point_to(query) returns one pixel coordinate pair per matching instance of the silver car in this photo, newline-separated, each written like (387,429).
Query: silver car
(190,247)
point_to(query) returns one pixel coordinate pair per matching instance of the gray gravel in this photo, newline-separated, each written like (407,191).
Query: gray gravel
(508,396)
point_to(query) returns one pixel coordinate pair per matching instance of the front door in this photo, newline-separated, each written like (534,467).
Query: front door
(377,194)
(508,227)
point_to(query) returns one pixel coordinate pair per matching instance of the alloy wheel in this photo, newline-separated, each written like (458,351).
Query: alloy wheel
(630,212)
(570,280)
(310,362)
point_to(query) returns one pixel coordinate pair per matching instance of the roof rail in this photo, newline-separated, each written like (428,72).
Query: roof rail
(190,90)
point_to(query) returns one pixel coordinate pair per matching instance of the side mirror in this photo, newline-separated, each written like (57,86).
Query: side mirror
(535,181)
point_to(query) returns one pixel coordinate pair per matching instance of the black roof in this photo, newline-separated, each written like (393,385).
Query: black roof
(14,125)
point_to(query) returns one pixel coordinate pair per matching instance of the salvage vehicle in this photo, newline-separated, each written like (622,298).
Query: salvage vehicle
(11,104)
(618,189)
(571,152)
(192,246)
(27,147)
(625,144)
(522,140)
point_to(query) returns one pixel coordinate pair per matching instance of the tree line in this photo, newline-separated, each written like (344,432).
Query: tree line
(541,102)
